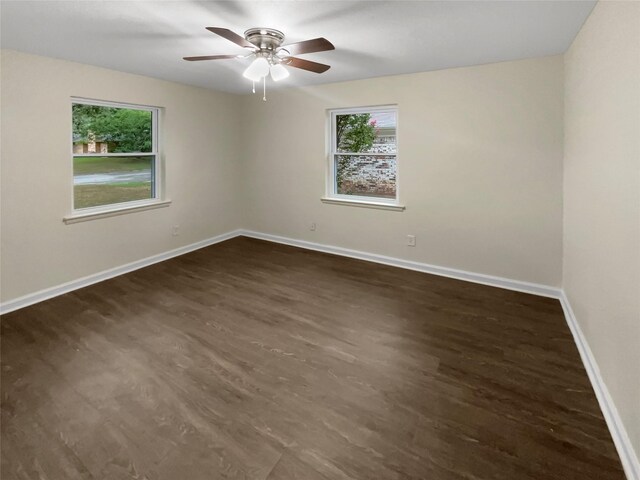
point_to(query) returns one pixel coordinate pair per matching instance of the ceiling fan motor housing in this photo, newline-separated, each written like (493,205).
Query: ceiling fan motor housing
(264,38)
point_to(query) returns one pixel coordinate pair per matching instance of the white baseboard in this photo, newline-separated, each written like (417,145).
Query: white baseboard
(500,282)
(618,432)
(628,456)
(47,293)
(517,285)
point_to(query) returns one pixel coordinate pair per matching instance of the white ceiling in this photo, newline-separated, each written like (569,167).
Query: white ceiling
(372,38)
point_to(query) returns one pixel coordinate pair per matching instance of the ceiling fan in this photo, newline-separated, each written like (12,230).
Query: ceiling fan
(271,56)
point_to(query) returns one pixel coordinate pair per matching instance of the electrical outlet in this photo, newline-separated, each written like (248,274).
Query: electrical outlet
(175,231)
(411,240)
(312,227)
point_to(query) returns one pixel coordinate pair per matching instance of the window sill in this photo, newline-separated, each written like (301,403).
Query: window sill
(84,217)
(363,203)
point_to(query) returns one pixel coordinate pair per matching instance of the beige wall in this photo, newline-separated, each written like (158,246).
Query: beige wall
(602,197)
(480,168)
(200,147)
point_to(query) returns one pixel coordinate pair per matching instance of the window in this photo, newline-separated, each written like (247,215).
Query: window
(363,156)
(115,156)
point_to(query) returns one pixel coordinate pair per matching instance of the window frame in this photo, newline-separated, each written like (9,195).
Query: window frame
(331,195)
(157,184)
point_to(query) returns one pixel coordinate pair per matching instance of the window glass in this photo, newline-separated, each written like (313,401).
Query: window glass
(364,153)
(108,167)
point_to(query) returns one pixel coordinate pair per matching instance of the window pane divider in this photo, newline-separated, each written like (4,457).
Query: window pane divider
(111,154)
(361,154)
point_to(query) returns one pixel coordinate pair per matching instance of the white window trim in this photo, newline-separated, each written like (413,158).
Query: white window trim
(110,210)
(331,195)
(117,209)
(354,202)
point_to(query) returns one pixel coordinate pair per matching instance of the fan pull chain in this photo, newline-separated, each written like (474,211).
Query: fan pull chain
(254,85)
(264,88)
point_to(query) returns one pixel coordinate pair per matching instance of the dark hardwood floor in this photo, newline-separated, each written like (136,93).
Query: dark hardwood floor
(254,360)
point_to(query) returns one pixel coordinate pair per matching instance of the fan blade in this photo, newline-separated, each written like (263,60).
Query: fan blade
(306,64)
(211,57)
(309,46)
(231,36)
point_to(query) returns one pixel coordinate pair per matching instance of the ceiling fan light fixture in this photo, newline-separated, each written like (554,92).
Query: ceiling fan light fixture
(258,69)
(278,72)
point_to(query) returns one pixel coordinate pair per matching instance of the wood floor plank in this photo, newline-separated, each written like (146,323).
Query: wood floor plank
(253,360)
